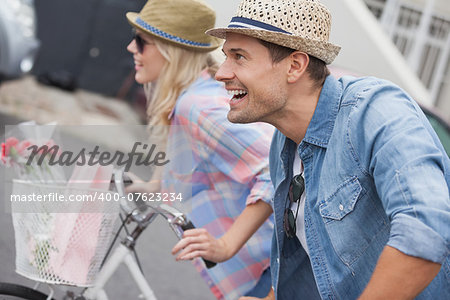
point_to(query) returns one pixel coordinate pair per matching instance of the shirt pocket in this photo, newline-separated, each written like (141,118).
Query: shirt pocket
(352,220)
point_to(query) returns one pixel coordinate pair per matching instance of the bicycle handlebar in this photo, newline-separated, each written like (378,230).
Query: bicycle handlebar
(176,219)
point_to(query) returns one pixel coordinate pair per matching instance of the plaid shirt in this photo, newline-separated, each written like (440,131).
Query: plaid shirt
(228,168)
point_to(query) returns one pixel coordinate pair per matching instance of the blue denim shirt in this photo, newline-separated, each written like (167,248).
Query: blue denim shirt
(375,174)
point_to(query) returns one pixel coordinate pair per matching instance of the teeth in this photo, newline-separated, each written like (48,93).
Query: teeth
(236,92)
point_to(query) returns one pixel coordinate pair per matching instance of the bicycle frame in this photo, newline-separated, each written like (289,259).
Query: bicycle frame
(121,254)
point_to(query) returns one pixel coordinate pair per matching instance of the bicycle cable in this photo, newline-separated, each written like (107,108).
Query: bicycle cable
(134,250)
(116,236)
(122,226)
(138,262)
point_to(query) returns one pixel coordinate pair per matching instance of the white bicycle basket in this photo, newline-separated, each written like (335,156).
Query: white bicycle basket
(62,242)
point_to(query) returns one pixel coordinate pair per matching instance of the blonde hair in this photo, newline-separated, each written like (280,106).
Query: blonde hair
(181,69)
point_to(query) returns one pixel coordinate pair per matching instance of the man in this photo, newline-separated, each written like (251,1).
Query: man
(368,213)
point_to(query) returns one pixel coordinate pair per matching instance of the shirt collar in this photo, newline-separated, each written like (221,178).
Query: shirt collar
(321,126)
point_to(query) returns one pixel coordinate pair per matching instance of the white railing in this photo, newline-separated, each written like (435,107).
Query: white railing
(422,34)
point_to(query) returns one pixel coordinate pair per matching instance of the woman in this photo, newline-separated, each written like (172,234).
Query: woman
(230,188)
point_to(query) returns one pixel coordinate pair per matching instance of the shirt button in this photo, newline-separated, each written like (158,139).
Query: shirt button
(341,207)
(278,260)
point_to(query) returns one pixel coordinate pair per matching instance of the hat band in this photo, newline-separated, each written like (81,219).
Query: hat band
(241,22)
(166,35)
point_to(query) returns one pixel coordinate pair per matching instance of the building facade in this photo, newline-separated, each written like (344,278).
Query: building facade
(420,29)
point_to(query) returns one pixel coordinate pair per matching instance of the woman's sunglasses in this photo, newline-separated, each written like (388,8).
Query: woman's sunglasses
(140,42)
(296,189)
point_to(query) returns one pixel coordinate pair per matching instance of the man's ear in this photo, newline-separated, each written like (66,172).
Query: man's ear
(298,64)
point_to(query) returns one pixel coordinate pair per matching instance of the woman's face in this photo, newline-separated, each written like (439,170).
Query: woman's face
(148,63)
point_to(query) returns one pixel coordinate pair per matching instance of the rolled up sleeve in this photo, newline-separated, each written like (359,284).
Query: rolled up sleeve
(262,189)
(410,170)
(421,219)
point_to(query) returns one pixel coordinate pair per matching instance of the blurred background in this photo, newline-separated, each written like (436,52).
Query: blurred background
(66,61)
(82,44)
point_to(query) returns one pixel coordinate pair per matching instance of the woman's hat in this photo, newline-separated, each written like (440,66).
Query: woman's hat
(180,22)
(303,25)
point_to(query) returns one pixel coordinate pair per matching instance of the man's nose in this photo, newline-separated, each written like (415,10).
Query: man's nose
(224,73)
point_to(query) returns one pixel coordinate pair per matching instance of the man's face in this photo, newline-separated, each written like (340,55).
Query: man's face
(257,85)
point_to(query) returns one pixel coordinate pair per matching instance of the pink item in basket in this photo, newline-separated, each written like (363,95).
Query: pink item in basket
(76,234)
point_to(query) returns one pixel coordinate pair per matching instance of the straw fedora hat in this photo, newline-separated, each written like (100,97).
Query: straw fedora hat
(180,22)
(303,25)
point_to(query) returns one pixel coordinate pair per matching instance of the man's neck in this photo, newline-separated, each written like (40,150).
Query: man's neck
(298,113)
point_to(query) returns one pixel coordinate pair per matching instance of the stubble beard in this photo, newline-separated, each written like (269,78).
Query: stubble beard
(240,117)
(264,112)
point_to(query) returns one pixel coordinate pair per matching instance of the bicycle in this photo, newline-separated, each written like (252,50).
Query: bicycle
(142,215)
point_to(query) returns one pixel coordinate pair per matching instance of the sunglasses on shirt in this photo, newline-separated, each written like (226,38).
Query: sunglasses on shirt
(296,189)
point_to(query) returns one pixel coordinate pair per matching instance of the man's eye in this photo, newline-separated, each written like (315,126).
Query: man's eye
(239,57)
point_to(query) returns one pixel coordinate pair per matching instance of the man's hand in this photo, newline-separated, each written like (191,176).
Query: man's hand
(270,296)
(199,243)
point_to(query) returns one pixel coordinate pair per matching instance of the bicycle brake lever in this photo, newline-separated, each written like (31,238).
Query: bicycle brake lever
(120,180)
(171,214)
(120,187)
(179,223)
